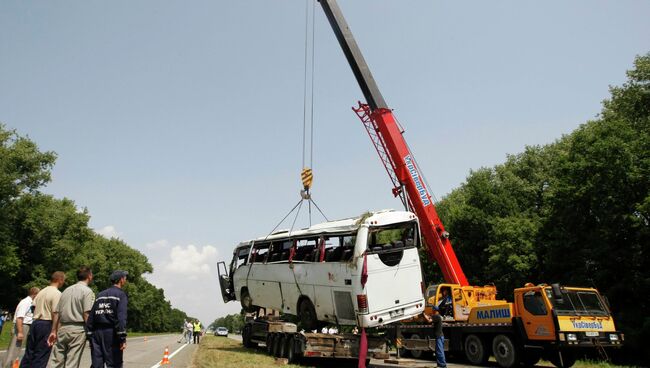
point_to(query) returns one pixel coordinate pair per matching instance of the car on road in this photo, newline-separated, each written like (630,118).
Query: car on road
(221,331)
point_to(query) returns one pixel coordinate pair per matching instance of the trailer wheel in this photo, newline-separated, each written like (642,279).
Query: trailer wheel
(276,345)
(269,343)
(568,359)
(307,314)
(475,350)
(282,345)
(247,301)
(246,337)
(290,350)
(504,351)
(417,354)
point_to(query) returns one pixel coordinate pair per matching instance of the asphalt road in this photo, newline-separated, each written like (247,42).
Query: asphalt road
(148,354)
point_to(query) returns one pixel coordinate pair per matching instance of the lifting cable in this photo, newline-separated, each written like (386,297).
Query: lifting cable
(306,173)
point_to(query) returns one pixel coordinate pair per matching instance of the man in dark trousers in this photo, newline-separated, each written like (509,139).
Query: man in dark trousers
(38,351)
(436,320)
(106,324)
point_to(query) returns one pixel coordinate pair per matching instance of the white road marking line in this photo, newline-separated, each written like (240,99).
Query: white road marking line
(170,355)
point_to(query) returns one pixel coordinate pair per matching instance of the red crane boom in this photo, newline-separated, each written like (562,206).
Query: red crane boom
(386,134)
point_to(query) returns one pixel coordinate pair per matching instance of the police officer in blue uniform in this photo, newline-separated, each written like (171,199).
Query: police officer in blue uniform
(106,325)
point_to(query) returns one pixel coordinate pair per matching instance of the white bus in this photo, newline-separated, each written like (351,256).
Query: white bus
(316,273)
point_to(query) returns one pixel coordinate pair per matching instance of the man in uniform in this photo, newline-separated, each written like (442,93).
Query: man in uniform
(45,304)
(69,321)
(22,322)
(197,331)
(106,324)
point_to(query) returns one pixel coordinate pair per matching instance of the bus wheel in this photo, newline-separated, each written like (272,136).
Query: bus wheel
(568,359)
(269,343)
(417,354)
(247,301)
(307,314)
(475,351)
(504,351)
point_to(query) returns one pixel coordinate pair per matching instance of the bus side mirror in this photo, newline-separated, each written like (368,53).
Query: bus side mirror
(557,293)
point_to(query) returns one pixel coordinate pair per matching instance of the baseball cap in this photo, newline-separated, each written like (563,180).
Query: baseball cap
(117,275)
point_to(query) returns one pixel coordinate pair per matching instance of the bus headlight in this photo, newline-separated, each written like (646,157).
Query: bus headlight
(613,337)
(571,337)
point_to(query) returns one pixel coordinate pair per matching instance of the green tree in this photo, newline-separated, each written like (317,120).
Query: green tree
(40,234)
(576,211)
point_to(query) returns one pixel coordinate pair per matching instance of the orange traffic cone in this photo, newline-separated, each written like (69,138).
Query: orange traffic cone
(165,359)
(16,363)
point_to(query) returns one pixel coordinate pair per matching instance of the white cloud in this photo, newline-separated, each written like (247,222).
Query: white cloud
(158,244)
(108,232)
(191,261)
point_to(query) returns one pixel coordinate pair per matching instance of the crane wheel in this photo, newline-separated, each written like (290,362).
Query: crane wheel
(475,351)
(504,351)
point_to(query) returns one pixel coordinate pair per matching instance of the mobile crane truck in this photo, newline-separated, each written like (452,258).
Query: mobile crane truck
(554,322)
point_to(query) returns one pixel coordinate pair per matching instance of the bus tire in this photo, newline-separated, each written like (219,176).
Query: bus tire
(307,314)
(568,359)
(247,301)
(475,351)
(417,354)
(504,351)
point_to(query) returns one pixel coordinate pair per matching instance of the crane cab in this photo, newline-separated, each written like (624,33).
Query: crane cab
(455,302)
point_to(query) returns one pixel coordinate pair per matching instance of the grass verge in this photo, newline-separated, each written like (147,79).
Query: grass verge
(5,336)
(224,352)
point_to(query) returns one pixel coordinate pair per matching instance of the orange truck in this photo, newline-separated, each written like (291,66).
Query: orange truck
(543,321)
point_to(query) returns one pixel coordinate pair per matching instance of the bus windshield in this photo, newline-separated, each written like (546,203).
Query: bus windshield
(577,302)
(392,237)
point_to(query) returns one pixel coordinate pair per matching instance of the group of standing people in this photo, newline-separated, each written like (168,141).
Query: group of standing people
(192,330)
(57,325)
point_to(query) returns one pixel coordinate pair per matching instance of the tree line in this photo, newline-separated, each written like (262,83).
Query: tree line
(40,234)
(233,322)
(576,211)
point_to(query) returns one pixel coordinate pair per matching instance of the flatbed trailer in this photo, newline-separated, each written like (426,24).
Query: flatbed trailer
(283,340)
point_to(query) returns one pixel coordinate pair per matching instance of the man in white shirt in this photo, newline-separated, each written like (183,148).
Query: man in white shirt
(22,323)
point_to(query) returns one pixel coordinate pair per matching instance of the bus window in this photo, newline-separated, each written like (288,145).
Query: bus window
(348,242)
(242,257)
(332,249)
(390,241)
(305,250)
(260,252)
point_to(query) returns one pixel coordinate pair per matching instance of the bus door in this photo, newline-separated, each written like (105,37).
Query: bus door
(227,290)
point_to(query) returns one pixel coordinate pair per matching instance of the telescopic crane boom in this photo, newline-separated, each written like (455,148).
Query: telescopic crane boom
(394,152)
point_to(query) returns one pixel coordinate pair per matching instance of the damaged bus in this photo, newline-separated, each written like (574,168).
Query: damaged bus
(361,271)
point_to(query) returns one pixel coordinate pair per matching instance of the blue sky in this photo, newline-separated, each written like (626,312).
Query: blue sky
(179,125)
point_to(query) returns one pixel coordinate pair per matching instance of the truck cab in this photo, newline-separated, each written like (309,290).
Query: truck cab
(572,316)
